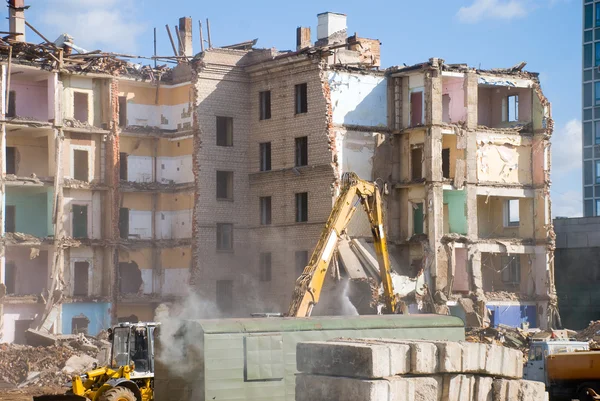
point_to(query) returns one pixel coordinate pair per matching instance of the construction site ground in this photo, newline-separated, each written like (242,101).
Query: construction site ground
(26,394)
(27,371)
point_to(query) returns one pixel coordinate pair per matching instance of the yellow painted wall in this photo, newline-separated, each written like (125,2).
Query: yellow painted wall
(137,146)
(147,94)
(175,201)
(145,313)
(490,217)
(137,201)
(142,257)
(173,148)
(449,142)
(176,257)
(32,154)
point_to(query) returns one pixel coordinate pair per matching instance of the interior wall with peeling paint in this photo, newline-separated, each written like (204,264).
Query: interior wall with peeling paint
(504,159)
(169,110)
(358,99)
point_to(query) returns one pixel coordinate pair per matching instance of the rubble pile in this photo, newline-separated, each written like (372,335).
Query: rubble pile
(29,366)
(589,332)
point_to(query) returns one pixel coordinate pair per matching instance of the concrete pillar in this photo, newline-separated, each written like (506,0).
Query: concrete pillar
(185,31)
(434,207)
(433,155)
(471,89)
(471,208)
(471,156)
(474,263)
(404,103)
(16,19)
(433,97)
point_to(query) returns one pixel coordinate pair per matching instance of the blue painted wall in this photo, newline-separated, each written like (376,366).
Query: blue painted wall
(513,315)
(97,313)
(510,315)
(358,99)
(33,210)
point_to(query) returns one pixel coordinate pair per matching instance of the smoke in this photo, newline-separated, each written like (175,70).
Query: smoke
(174,339)
(348,309)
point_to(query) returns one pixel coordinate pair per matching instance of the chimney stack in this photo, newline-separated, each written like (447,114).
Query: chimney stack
(185,31)
(302,38)
(16,18)
(331,29)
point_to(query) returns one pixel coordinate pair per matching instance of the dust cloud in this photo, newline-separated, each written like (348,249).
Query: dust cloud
(174,339)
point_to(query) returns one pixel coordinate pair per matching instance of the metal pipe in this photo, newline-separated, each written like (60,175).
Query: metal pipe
(8,72)
(208,32)
(201,36)
(171,39)
(155,47)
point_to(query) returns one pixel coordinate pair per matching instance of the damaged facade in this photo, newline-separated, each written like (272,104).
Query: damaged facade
(124,186)
(471,202)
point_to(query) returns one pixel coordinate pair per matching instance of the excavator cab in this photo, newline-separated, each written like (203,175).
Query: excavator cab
(133,343)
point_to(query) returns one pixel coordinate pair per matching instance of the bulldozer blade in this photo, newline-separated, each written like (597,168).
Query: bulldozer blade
(59,397)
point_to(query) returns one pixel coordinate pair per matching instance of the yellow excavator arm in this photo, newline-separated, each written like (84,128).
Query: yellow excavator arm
(310,283)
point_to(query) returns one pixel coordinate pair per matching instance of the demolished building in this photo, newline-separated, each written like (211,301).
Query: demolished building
(125,185)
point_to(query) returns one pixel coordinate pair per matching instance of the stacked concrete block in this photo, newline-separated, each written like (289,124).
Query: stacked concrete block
(385,369)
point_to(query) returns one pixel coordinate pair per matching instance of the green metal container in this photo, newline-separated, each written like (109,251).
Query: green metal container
(255,359)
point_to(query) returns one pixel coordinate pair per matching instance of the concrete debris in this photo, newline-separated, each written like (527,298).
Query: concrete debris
(18,362)
(27,366)
(374,369)
(79,363)
(592,332)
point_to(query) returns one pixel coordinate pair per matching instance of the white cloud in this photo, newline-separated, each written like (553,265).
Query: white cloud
(567,204)
(566,149)
(492,9)
(96,24)
(566,170)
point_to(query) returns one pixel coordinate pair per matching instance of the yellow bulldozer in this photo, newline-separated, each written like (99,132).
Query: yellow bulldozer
(128,377)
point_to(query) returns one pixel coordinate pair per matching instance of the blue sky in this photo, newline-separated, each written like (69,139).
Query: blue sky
(486,33)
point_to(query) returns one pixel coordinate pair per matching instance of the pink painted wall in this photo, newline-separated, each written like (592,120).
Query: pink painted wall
(454,87)
(32,99)
(32,274)
(490,100)
(461,277)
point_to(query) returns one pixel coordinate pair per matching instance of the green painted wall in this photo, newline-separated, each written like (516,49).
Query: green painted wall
(33,210)
(418,219)
(457,219)
(255,359)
